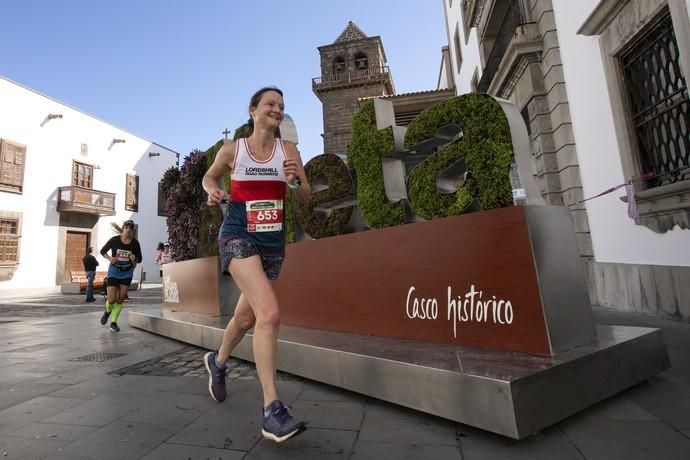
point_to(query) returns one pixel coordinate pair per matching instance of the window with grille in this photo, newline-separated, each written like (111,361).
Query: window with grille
(657,94)
(9,241)
(132,193)
(82,175)
(12,160)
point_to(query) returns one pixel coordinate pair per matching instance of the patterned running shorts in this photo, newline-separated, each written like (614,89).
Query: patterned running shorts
(115,282)
(240,248)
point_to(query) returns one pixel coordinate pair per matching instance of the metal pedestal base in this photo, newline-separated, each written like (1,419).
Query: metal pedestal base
(512,394)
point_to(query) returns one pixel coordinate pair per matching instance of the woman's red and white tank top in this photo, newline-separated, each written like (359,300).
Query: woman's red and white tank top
(257,196)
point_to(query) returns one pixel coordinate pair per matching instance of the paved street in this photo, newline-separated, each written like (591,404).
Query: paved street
(71,389)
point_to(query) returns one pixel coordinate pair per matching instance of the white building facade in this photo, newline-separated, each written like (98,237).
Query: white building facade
(65,176)
(602,87)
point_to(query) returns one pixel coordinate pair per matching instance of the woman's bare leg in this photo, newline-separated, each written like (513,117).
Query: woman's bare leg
(122,293)
(257,290)
(242,320)
(112,295)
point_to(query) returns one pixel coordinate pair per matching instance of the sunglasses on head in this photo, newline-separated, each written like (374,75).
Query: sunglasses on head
(129,224)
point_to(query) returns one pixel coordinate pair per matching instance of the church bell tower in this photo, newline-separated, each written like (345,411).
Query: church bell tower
(352,67)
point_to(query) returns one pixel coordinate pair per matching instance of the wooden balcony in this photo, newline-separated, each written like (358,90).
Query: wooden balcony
(85,201)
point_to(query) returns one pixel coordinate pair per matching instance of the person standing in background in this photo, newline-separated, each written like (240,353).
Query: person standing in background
(166,256)
(90,264)
(157,259)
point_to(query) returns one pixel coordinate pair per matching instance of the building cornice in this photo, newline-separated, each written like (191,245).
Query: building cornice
(526,47)
(601,16)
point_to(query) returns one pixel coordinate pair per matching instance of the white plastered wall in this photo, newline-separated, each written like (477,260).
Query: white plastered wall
(471,62)
(52,146)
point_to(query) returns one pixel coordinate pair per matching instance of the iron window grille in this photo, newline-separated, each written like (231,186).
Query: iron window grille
(659,104)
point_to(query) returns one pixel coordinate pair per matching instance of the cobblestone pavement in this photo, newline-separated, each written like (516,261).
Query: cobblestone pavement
(63,304)
(187,362)
(182,363)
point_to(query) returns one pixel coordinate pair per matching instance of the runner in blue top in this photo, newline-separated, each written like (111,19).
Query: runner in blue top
(124,253)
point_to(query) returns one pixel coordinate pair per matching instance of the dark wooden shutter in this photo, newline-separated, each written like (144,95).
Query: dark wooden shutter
(9,241)
(132,193)
(76,245)
(12,159)
(161,200)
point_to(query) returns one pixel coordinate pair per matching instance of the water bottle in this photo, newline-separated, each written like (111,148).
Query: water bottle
(519,193)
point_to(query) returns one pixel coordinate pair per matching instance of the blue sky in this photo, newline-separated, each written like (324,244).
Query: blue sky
(178,72)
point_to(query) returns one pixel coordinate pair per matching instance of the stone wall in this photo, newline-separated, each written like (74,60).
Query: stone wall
(338,108)
(531,76)
(653,289)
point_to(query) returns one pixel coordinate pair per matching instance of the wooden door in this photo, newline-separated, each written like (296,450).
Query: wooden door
(75,250)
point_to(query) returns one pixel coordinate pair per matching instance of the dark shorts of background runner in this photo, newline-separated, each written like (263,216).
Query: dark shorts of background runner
(115,282)
(240,248)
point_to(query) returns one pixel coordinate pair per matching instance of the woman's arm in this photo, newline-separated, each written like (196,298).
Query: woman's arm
(221,165)
(104,250)
(137,253)
(295,169)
